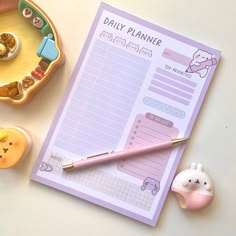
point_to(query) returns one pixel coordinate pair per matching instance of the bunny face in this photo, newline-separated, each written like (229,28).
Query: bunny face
(14,144)
(193,188)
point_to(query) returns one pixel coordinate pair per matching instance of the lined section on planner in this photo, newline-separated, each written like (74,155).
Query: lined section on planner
(172,86)
(102,102)
(148,129)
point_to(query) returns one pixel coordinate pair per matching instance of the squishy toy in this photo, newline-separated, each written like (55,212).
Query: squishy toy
(15,145)
(193,188)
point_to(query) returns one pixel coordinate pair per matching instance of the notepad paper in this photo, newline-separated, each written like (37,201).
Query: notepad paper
(135,84)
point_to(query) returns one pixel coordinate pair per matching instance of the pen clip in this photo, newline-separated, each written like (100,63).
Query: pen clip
(100,154)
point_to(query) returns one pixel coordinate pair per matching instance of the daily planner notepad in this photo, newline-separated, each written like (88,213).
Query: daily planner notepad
(135,84)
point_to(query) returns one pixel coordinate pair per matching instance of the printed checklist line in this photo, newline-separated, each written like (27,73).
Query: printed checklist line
(156,131)
(142,167)
(148,129)
(105,97)
(164,84)
(169,95)
(176,77)
(171,89)
(151,135)
(173,83)
(146,163)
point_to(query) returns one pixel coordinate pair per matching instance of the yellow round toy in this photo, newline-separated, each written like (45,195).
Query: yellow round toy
(15,145)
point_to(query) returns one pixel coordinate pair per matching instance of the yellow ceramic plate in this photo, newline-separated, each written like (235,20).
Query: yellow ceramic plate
(30,49)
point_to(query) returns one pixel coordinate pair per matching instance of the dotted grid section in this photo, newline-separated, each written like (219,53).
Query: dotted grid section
(164,107)
(103,182)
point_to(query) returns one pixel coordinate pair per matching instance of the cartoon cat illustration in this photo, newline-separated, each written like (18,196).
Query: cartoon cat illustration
(119,41)
(145,52)
(132,47)
(199,57)
(151,184)
(106,36)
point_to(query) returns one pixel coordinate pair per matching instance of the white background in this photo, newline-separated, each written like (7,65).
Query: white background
(28,208)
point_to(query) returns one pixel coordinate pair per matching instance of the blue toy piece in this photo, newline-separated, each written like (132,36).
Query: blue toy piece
(47,49)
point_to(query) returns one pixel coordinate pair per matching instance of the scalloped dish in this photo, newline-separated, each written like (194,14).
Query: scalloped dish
(30,50)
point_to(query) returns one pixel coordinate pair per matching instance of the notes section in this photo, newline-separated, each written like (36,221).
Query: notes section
(102,103)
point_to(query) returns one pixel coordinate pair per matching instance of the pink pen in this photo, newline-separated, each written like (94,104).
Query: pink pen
(128,153)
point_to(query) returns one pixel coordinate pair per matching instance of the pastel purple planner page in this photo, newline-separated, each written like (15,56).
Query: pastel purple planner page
(135,84)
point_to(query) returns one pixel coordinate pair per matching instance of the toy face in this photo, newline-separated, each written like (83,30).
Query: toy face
(12,147)
(193,188)
(194,179)
(200,181)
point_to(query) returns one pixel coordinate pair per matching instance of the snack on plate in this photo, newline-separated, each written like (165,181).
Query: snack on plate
(30,50)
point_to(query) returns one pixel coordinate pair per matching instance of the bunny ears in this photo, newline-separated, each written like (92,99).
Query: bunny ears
(195,166)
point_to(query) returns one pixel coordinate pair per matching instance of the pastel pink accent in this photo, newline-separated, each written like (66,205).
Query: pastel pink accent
(159,120)
(185,184)
(7,5)
(203,65)
(152,129)
(121,155)
(176,77)
(169,95)
(208,187)
(176,57)
(192,201)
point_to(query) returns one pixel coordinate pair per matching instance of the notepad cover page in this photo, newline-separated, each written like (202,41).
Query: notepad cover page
(135,84)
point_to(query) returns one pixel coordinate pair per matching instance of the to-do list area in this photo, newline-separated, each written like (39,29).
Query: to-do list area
(148,129)
(102,102)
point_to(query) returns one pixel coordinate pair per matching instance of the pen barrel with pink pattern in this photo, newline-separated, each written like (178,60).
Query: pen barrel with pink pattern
(120,155)
(203,65)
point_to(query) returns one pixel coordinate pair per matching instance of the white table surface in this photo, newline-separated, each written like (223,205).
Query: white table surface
(28,208)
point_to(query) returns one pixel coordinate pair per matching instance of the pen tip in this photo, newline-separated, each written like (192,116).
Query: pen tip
(68,166)
(177,141)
